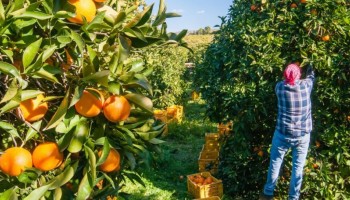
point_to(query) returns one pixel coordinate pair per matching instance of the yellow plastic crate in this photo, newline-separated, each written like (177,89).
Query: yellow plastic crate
(208,161)
(224,129)
(210,198)
(204,191)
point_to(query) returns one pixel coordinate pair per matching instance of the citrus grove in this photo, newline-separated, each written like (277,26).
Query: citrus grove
(76,111)
(256,40)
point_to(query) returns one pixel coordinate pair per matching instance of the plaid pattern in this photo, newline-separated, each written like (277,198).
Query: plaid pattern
(294,106)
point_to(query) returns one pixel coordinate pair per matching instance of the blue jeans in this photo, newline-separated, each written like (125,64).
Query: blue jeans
(280,145)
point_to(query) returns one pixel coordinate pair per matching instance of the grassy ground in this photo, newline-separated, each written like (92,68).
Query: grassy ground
(167,179)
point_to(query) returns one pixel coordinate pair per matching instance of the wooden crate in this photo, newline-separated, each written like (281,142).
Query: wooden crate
(204,191)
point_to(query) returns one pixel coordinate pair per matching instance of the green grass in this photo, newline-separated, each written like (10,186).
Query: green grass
(167,179)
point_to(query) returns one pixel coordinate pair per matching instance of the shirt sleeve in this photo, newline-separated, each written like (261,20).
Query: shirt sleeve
(310,77)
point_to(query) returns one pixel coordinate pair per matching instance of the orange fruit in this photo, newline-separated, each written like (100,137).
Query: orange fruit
(303,1)
(116,108)
(47,156)
(314,12)
(100,1)
(318,144)
(261,153)
(34,109)
(293,5)
(86,8)
(253,7)
(89,105)
(15,160)
(325,38)
(112,162)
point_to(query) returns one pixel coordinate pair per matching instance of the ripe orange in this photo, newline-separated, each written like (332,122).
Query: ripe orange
(86,8)
(100,1)
(261,153)
(325,38)
(47,156)
(293,5)
(253,7)
(112,163)
(15,160)
(318,144)
(303,1)
(89,105)
(314,12)
(116,108)
(34,109)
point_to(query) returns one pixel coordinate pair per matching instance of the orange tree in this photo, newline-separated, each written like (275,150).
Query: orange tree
(256,40)
(63,64)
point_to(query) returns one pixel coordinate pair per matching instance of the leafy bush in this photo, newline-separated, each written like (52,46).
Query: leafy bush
(167,80)
(237,78)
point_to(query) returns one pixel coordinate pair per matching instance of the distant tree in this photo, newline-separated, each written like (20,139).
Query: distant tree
(207,30)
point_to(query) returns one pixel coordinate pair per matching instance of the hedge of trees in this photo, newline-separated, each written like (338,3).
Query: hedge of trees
(237,78)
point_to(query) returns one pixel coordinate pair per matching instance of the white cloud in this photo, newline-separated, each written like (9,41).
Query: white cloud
(177,11)
(200,12)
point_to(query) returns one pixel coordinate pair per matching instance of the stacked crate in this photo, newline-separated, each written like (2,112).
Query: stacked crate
(209,156)
(225,129)
(175,113)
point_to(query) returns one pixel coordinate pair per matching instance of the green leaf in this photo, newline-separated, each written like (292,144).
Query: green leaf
(60,113)
(29,94)
(85,188)
(30,52)
(141,101)
(78,40)
(156,141)
(172,14)
(120,18)
(100,77)
(93,59)
(137,43)
(9,194)
(80,135)
(36,15)
(135,32)
(141,18)
(62,179)
(48,52)
(9,69)
(105,152)
(92,161)
(9,128)
(131,159)
(124,48)
(54,183)
(148,135)
(141,83)
(180,35)
(2,14)
(32,131)
(11,92)
(45,74)
(78,91)
(58,193)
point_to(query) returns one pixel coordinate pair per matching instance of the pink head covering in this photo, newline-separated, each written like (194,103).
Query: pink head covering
(291,74)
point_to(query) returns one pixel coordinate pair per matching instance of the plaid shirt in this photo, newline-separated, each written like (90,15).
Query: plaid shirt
(294,106)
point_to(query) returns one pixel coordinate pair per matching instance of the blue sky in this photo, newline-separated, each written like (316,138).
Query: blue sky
(195,13)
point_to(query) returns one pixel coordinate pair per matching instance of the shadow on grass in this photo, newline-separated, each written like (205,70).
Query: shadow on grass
(179,155)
